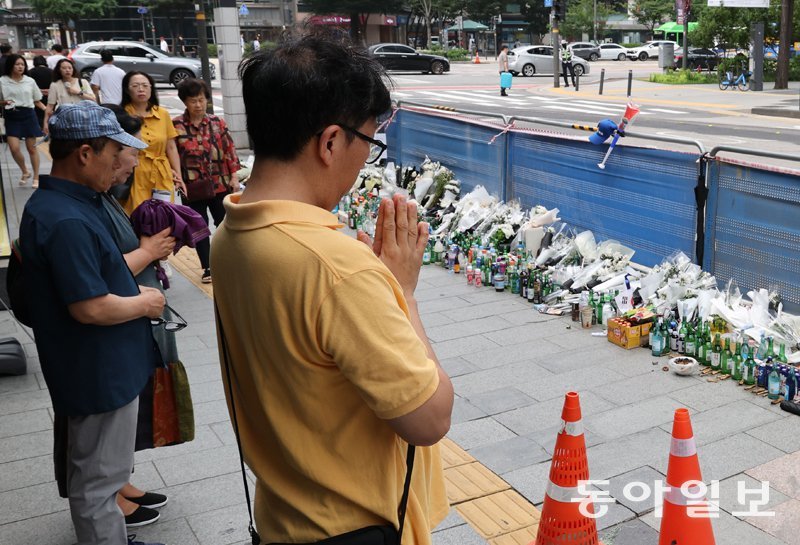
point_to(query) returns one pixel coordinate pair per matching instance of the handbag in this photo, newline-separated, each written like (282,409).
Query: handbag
(166,414)
(202,189)
(370,535)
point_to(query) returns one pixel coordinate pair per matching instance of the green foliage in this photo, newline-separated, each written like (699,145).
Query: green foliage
(651,13)
(537,16)
(454,53)
(771,69)
(684,77)
(580,19)
(64,10)
(457,54)
(212,50)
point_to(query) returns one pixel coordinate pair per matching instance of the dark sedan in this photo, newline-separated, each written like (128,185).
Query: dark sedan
(698,58)
(407,59)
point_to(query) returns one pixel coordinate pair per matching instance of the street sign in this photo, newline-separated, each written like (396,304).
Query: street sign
(548,3)
(243,11)
(141,10)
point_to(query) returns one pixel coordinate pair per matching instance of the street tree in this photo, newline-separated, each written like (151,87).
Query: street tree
(537,16)
(651,13)
(425,9)
(174,12)
(72,10)
(581,19)
(482,11)
(358,10)
(730,28)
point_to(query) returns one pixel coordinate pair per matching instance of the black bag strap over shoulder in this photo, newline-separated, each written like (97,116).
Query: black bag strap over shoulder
(255,538)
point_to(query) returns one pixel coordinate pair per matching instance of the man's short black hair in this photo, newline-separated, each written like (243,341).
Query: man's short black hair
(61,149)
(192,87)
(5,49)
(305,84)
(504,46)
(39,60)
(106,56)
(58,48)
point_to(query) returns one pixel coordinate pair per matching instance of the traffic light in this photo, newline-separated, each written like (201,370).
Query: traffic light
(560,10)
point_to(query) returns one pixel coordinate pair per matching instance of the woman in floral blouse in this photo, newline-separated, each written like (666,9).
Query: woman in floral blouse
(208,160)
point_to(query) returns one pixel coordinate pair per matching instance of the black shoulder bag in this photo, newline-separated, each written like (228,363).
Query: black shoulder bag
(370,535)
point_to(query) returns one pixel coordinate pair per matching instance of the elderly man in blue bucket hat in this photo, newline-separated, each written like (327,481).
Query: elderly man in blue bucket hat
(90,319)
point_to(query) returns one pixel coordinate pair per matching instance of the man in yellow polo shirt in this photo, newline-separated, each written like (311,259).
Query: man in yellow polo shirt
(331,371)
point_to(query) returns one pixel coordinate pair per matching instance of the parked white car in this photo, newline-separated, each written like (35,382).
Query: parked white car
(613,52)
(648,50)
(538,59)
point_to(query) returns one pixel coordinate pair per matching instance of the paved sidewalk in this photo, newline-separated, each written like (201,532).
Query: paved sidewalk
(510,366)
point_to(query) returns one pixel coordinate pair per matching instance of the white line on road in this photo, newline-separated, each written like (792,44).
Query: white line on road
(574,109)
(448,98)
(665,111)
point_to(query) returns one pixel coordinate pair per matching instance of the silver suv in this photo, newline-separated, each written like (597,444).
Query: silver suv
(163,68)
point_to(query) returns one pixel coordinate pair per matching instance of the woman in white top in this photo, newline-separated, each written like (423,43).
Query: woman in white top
(19,95)
(66,89)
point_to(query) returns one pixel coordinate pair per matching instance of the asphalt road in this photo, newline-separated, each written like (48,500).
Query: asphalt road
(697,112)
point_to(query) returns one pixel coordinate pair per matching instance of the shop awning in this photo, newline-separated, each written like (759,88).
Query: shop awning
(469,26)
(674,28)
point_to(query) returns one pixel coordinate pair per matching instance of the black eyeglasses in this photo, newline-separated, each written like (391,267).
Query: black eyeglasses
(168,324)
(376,147)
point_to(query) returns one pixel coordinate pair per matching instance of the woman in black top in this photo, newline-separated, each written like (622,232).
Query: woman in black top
(43,77)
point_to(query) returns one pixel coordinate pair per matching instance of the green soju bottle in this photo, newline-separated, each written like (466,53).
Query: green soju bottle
(738,362)
(782,354)
(703,349)
(691,343)
(749,369)
(770,349)
(715,353)
(724,358)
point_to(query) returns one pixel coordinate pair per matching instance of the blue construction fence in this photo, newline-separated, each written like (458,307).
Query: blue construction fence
(738,221)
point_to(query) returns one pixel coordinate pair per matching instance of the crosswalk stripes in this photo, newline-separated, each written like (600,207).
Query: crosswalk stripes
(525,101)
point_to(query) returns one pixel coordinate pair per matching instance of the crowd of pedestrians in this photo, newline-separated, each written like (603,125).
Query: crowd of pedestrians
(339,420)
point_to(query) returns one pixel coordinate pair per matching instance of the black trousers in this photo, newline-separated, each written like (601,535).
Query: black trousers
(217,214)
(567,67)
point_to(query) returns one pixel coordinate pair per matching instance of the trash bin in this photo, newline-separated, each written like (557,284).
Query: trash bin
(666,56)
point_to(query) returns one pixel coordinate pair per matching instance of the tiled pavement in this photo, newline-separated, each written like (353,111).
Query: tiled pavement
(510,366)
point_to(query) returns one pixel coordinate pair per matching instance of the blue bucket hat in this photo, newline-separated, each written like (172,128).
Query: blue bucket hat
(86,120)
(604,129)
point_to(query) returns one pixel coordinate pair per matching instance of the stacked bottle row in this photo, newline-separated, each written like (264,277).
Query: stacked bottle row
(752,364)
(513,271)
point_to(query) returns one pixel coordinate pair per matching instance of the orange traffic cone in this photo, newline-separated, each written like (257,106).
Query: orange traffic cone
(677,524)
(562,522)
(477,59)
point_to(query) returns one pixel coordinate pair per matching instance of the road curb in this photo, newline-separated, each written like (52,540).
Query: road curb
(776,112)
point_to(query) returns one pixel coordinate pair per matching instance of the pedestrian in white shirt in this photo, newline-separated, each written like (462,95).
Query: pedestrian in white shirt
(19,95)
(56,54)
(107,80)
(164,45)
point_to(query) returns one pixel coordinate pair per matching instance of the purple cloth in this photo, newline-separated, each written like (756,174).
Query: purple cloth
(153,216)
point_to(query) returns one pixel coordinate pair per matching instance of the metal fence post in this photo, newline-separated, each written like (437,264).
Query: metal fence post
(577,82)
(602,79)
(630,81)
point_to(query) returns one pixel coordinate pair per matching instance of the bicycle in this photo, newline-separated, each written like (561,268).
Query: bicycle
(742,81)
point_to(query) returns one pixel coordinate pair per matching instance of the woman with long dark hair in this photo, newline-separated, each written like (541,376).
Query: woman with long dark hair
(159,164)
(67,88)
(19,95)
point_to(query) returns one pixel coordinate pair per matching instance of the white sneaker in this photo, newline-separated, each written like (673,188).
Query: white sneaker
(166,266)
